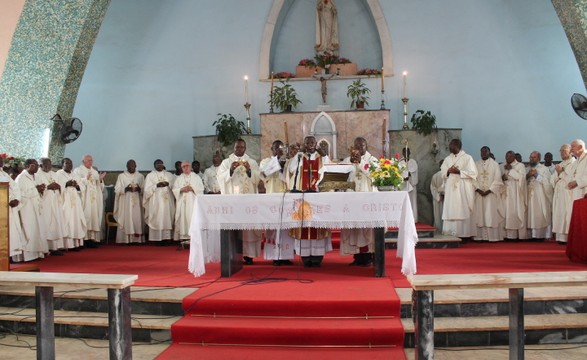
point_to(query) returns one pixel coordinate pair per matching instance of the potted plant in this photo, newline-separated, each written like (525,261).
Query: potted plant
(228,129)
(284,97)
(423,122)
(357,92)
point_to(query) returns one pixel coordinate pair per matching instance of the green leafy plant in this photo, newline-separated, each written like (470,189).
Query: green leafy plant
(423,122)
(357,92)
(284,97)
(229,129)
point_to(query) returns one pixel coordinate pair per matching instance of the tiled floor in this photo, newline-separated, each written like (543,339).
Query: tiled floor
(23,348)
(533,352)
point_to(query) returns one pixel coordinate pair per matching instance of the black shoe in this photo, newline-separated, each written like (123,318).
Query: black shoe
(562,243)
(57,253)
(307,261)
(316,260)
(76,249)
(90,244)
(286,262)
(248,260)
(276,262)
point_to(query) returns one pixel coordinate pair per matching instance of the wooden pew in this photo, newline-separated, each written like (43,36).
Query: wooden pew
(119,321)
(424,286)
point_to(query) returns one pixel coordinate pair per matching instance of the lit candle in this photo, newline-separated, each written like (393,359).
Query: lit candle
(382,80)
(285,131)
(246,89)
(405,91)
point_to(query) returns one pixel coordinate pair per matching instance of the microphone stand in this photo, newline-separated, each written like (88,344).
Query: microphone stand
(295,190)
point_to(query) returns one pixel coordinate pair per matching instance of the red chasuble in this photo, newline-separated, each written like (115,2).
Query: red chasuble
(310,175)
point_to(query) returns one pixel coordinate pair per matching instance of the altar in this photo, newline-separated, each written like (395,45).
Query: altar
(214,215)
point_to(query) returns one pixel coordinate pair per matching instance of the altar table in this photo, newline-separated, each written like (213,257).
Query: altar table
(216,214)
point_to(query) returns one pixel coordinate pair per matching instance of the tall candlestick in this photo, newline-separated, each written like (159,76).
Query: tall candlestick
(405,87)
(285,131)
(382,80)
(247,89)
(272,83)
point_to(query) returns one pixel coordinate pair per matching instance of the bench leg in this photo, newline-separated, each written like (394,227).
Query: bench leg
(424,331)
(45,322)
(119,324)
(516,324)
(379,255)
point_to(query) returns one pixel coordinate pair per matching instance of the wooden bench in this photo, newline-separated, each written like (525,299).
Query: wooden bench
(119,322)
(424,286)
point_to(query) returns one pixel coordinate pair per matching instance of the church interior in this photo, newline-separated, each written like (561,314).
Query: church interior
(147,80)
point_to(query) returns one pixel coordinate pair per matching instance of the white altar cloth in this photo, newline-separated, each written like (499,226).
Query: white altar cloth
(344,210)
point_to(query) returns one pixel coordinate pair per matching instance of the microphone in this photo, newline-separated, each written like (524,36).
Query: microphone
(294,189)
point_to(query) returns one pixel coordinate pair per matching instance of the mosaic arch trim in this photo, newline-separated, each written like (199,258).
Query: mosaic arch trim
(50,49)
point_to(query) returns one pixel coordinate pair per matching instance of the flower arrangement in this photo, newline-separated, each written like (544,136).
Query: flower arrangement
(342,60)
(369,72)
(12,162)
(326,58)
(385,172)
(284,75)
(307,62)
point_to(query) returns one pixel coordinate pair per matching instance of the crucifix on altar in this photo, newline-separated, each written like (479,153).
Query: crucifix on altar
(324,77)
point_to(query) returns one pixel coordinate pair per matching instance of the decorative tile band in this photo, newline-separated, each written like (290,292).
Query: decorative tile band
(47,58)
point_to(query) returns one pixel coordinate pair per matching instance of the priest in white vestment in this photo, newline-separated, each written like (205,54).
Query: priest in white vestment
(514,198)
(159,203)
(279,245)
(579,182)
(410,175)
(460,173)
(437,191)
(304,169)
(128,205)
(73,210)
(52,203)
(549,164)
(539,199)
(489,214)
(359,242)
(562,199)
(92,199)
(210,176)
(33,225)
(16,236)
(239,174)
(187,186)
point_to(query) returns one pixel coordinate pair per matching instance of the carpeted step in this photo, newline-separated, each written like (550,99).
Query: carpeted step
(289,331)
(197,351)
(366,307)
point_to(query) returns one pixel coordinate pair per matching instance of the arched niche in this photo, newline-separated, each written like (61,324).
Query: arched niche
(279,10)
(323,128)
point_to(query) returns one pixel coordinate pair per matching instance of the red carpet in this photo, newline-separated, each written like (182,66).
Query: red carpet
(165,266)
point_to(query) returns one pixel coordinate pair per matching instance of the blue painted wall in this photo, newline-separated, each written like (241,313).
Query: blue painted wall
(160,71)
